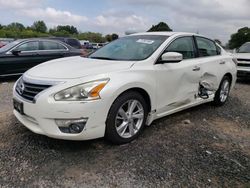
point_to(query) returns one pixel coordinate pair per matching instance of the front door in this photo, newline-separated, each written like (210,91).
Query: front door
(26,58)
(51,50)
(178,83)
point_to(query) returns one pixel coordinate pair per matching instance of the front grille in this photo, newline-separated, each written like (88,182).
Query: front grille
(243,60)
(243,65)
(28,91)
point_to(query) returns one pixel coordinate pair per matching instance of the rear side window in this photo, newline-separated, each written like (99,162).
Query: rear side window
(28,46)
(74,43)
(184,46)
(206,47)
(49,45)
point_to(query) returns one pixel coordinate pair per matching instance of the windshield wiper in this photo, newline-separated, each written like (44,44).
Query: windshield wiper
(104,58)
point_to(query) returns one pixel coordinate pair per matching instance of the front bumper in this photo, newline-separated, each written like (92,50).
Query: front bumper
(40,117)
(243,72)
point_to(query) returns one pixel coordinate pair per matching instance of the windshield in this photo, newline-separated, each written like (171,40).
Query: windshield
(245,48)
(131,48)
(9,46)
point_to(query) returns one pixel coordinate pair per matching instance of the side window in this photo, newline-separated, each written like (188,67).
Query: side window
(184,46)
(206,47)
(49,45)
(74,43)
(28,46)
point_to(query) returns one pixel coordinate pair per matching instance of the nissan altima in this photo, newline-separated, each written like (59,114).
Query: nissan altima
(124,86)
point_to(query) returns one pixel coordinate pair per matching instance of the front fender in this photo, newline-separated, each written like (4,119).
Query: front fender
(121,82)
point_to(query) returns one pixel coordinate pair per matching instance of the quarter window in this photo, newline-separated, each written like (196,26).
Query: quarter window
(74,43)
(206,47)
(48,45)
(184,46)
(28,46)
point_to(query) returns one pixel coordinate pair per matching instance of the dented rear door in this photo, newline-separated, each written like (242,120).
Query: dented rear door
(211,63)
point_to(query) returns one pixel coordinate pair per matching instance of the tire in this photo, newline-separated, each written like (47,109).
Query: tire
(122,126)
(219,100)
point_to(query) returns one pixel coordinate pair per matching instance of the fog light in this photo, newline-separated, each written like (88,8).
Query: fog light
(76,127)
(73,126)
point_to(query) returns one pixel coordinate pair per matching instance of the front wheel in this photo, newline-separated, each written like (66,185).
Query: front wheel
(222,93)
(126,118)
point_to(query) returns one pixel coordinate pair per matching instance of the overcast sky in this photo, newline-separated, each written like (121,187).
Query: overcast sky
(213,18)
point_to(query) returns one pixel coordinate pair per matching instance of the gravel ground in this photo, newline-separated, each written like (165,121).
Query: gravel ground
(212,150)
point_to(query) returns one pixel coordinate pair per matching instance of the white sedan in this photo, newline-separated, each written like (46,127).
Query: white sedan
(123,86)
(243,58)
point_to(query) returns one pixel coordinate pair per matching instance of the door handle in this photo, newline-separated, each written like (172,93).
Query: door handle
(196,68)
(222,63)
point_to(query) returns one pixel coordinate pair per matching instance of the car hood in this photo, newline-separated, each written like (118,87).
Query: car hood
(242,55)
(76,67)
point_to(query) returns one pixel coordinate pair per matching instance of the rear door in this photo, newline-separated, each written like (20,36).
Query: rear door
(177,83)
(211,63)
(49,50)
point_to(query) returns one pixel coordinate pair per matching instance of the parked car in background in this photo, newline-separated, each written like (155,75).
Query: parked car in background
(123,86)
(4,41)
(70,41)
(97,45)
(21,55)
(2,44)
(86,44)
(243,58)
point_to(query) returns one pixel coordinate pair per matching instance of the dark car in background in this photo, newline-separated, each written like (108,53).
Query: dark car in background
(2,44)
(70,41)
(21,55)
(5,41)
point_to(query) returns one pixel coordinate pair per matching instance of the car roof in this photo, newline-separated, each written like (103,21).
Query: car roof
(169,34)
(64,38)
(42,39)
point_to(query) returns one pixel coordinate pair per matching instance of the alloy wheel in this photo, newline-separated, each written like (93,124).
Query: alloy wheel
(224,92)
(129,118)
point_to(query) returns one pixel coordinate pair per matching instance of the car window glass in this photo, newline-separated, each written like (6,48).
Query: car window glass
(245,48)
(184,46)
(49,45)
(74,43)
(130,48)
(206,47)
(28,46)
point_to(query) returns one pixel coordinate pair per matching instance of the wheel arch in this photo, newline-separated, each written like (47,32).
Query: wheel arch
(230,76)
(142,92)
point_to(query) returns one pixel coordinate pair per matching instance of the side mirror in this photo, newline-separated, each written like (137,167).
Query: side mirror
(15,52)
(171,57)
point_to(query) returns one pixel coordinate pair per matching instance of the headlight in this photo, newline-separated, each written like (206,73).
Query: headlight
(87,91)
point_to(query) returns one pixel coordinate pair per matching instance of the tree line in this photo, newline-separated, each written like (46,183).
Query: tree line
(40,29)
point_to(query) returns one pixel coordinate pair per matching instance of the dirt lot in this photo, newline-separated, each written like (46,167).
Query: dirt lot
(213,150)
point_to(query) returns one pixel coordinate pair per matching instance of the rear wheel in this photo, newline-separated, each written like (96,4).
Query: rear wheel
(126,118)
(222,93)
